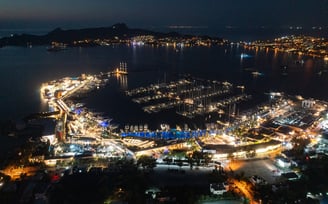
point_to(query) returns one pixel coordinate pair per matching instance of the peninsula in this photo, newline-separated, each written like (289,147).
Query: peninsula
(117,33)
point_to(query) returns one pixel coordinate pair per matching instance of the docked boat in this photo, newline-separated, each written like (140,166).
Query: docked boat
(257,73)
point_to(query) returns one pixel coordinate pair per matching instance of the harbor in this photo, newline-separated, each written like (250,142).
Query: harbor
(261,130)
(74,120)
(87,141)
(104,116)
(216,102)
(189,96)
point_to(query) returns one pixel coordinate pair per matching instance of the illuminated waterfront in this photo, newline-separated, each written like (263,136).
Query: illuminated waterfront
(217,63)
(226,139)
(261,132)
(190,102)
(258,131)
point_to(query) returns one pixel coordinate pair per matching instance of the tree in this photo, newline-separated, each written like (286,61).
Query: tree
(299,144)
(147,162)
(190,161)
(197,156)
(179,163)
(179,154)
(207,158)
(168,161)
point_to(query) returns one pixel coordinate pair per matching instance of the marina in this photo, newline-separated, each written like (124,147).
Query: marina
(189,96)
(230,132)
(262,129)
(258,131)
(222,102)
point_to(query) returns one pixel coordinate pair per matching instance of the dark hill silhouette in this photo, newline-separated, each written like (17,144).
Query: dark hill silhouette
(69,36)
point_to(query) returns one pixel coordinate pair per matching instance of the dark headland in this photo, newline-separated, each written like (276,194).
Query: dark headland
(117,31)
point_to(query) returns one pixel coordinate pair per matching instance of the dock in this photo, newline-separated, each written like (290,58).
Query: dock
(190,96)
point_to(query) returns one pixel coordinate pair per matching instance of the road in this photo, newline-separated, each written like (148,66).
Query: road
(246,190)
(261,167)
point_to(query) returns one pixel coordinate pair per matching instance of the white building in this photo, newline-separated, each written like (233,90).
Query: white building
(308,103)
(218,188)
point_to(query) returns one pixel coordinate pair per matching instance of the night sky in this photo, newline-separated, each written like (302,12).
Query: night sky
(147,13)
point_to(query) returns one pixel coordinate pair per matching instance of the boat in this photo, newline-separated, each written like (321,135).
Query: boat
(141,128)
(257,73)
(113,126)
(126,128)
(165,126)
(122,70)
(244,55)
(145,127)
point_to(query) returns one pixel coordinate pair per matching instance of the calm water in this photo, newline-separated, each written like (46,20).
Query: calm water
(23,70)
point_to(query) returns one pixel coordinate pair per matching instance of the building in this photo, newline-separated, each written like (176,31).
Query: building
(218,188)
(308,103)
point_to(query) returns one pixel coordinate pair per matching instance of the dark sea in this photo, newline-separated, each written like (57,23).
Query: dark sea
(23,70)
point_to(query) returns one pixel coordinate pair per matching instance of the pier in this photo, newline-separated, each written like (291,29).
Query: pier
(57,93)
(190,96)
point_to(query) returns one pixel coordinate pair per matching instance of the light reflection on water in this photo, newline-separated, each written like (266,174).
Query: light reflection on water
(23,70)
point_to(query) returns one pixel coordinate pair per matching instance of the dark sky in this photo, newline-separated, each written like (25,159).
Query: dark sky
(147,13)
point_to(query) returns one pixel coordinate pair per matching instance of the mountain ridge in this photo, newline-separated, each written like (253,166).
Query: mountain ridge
(120,30)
